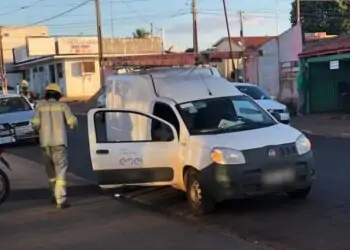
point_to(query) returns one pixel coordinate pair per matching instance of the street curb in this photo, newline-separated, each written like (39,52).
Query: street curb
(73,179)
(341,136)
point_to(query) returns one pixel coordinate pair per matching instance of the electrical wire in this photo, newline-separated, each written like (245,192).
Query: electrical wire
(21,8)
(55,16)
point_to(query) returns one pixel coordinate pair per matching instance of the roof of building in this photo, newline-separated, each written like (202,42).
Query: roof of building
(326,46)
(251,42)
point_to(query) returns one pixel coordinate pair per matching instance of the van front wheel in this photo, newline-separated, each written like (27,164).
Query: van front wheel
(199,202)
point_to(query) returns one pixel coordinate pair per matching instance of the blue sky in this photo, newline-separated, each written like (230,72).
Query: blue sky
(121,17)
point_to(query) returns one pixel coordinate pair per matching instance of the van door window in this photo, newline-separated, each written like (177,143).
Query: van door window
(130,127)
(166,113)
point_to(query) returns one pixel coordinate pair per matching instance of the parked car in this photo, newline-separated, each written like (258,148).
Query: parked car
(10,90)
(265,100)
(17,111)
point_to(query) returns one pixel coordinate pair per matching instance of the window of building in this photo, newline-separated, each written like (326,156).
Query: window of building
(88,67)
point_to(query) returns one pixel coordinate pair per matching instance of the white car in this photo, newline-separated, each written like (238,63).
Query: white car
(10,90)
(265,100)
(17,111)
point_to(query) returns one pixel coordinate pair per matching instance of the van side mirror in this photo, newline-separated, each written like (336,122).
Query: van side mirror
(276,115)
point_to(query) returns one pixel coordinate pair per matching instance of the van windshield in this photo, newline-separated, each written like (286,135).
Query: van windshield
(224,115)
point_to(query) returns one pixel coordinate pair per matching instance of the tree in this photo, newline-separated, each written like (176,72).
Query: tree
(141,33)
(330,17)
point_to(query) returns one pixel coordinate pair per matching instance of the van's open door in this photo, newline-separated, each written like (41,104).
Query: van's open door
(132,148)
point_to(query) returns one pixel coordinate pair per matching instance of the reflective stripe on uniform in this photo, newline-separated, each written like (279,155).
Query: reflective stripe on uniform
(51,108)
(52,180)
(61,183)
(72,120)
(36,121)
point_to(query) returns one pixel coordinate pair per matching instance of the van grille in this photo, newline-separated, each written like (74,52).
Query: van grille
(287,150)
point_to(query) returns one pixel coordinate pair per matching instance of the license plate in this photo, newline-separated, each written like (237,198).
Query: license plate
(5,140)
(278,177)
(23,131)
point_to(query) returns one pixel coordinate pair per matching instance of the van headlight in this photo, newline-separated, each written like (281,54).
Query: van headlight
(303,145)
(226,156)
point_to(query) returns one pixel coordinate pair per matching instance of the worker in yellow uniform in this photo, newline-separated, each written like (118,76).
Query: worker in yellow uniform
(50,121)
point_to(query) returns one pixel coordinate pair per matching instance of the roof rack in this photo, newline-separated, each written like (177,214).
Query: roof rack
(152,60)
(171,59)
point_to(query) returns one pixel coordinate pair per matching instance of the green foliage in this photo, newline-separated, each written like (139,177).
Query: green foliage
(141,33)
(330,17)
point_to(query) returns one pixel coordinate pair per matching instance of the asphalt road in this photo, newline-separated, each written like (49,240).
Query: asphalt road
(320,222)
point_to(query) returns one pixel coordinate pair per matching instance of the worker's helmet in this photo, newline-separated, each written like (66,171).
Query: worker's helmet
(53,87)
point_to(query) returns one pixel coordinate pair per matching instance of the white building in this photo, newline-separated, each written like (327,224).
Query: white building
(276,66)
(15,36)
(72,62)
(250,43)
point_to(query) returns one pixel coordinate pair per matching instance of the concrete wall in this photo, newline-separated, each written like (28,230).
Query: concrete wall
(265,70)
(268,68)
(78,85)
(132,45)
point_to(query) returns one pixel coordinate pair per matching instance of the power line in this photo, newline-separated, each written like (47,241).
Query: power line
(21,8)
(17,8)
(56,16)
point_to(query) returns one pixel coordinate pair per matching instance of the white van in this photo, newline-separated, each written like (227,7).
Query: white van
(190,129)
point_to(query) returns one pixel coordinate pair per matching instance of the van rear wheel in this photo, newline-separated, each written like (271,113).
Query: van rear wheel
(199,202)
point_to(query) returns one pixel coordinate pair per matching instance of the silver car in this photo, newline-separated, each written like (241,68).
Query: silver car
(17,111)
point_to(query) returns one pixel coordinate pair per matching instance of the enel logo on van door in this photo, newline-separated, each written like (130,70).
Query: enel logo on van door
(130,161)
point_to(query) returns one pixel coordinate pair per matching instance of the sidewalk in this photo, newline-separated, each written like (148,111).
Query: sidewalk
(324,125)
(28,221)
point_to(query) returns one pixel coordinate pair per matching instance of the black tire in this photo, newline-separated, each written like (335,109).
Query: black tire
(4,186)
(300,194)
(202,203)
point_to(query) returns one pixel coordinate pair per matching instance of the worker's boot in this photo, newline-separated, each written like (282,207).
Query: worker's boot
(64,205)
(53,200)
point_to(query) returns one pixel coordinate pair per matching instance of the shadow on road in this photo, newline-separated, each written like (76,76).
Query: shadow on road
(44,193)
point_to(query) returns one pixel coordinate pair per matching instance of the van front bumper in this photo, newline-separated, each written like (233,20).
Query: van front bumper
(222,182)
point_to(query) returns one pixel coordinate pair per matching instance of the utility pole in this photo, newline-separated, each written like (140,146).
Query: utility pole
(100,42)
(151,29)
(242,44)
(2,65)
(163,40)
(298,11)
(112,16)
(195,29)
(229,39)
